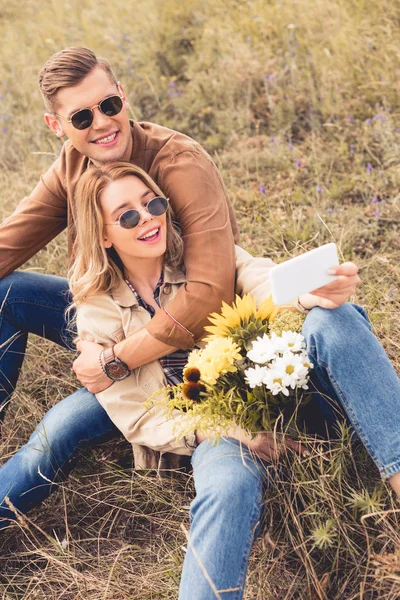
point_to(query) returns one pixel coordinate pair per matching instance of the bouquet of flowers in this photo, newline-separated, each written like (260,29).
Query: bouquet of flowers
(249,372)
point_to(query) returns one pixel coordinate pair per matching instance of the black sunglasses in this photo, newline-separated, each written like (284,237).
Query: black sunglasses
(130,218)
(83,118)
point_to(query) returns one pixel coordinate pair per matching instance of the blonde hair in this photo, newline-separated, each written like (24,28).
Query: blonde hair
(96,269)
(67,68)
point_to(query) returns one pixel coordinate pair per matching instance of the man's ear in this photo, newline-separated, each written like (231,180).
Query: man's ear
(122,93)
(54,124)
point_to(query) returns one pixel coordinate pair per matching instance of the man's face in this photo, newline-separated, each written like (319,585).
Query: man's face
(107,139)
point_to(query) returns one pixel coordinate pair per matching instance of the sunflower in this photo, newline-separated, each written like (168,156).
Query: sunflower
(242,321)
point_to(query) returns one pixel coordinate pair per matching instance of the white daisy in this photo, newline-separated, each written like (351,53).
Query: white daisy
(262,350)
(290,340)
(255,376)
(274,381)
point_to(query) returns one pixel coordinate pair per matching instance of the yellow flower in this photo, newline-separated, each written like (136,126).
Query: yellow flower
(267,310)
(217,358)
(242,310)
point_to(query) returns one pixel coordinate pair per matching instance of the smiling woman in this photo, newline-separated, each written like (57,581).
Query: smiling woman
(124,230)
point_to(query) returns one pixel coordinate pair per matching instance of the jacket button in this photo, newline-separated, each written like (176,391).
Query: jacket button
(167,289)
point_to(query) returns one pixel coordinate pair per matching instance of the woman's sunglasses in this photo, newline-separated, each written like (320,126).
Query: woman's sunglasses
(83,118)
(130,218)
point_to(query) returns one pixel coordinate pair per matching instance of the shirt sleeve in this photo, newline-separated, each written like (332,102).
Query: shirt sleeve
(123,400)
(198,198)
(252,277)
(38,219)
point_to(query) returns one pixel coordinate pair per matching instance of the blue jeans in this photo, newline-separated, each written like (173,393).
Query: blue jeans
(351,367)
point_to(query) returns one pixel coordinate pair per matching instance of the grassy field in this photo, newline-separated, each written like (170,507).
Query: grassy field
(299,103)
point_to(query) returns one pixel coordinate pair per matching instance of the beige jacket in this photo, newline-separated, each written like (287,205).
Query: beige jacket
(109,318)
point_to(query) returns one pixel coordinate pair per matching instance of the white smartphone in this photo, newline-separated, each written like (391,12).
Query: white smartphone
(303,274)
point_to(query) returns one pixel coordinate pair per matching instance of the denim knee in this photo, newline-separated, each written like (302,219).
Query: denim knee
(229,476)
(334,326)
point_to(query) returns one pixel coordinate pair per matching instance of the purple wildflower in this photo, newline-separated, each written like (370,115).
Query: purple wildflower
(369,168)
(298,163)
(262,189)
(352,148)
(319,189)
(171,92)
(375,200)
(377,212)
(291,147)
(4,130)
(329,210)
(351,118)
(368,121)
(272,139)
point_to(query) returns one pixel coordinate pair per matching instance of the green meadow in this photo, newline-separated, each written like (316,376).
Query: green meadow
(298,103)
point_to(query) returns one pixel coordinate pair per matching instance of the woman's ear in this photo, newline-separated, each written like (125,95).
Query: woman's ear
(107,243)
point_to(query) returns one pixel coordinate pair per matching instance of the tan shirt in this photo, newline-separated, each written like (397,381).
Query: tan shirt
(187,175)
(109,318)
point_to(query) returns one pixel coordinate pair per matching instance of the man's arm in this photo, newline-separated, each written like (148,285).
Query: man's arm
(198,198)
(39,218)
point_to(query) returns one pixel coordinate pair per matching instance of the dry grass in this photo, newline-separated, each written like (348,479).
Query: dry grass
(299,104)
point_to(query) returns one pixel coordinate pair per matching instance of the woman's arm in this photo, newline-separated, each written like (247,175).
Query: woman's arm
(99,323)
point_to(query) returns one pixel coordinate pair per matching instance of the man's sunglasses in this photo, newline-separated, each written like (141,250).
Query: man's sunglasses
(83,118)
(130,218)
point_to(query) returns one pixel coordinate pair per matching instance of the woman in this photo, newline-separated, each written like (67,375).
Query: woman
(127,267)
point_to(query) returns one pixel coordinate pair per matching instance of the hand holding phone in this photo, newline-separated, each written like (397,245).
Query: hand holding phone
(303,274)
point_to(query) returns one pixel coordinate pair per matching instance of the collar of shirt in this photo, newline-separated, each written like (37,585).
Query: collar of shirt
(122,293)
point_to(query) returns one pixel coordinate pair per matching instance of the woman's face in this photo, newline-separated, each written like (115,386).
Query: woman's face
(149,238)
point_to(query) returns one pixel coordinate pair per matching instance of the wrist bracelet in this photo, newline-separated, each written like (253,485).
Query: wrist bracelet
(302,308)
(102,363)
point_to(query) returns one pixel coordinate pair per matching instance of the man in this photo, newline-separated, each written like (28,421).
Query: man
(72,80)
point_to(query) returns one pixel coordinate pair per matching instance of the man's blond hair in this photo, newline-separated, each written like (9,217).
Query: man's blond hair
(68,68)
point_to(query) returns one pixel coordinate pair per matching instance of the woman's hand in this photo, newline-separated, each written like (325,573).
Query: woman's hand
(88,369)
(270,445)
(336,293)
(267,445)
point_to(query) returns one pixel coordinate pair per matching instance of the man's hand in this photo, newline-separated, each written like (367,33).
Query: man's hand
(336,293)
(88,369)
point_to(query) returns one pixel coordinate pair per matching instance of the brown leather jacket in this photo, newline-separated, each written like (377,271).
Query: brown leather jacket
(187,175)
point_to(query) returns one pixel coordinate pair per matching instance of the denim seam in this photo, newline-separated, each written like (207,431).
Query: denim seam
(391,469)
(23,300)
